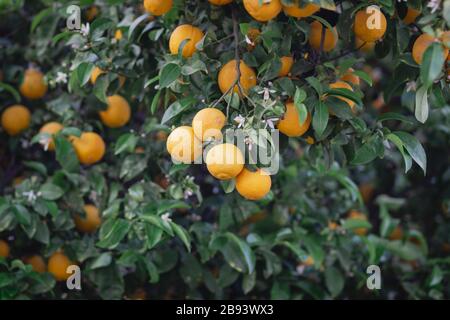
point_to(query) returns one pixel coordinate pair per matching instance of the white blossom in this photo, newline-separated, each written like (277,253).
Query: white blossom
(85,28)
(411,86)
(187,193)
(30,195)
(166,217)
(61,77)
(240,121)
(434,5)
(248,141)
(45,142)
(270,123)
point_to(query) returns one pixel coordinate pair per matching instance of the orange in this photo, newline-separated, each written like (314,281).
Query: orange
(364,46)
(367,190)
(310,140)
(350,77)
(396,234)
(161,135)
(220,2)
(227,77)
(286,65)
(139,294)
(308,262)
(33,85)
(420,46)
(15,119)
(51,128)
(91,13)
(445,38)
(91,222)
(315,36)
(118,35)
(253,185)
(158,7)
(370,24)
(253,36)
(4,249)
(290,123)
(208,123)
(58,264)
(117,114)
(183,146)
(90,147)
(332,225)
(358,216)
(297,11)
(411,16)
(192,34)
(344,85)
(18,180)
(265,11)
(97,72)
(224,161)
(37,262)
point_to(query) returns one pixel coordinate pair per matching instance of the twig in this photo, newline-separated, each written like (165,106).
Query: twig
(236,50)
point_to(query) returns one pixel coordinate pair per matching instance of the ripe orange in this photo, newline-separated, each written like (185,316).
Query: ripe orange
(92,13)
(298,11)
(51,128)
(350,77)
(224,161)
(91,222)
(253,185)
(220,2)
(367,190)
(265,11)
(315,36)
(117,114)
(411,16)
(97,72)
(253,36)
(290,124)
(310,140)
(364,46)
(420,46)
(286,65)
(358,216)
(158,7)
(192,34)
(37,262)
(33,85)
(118,35)
(228,75)
(396,234)
(370,24)
(58,264)
(15,119)
(4,249)
(344,85)
(208,124)
(90,147)
(183,145)
(332,225)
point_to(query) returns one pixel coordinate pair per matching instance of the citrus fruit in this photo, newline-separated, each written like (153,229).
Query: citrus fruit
(224,161)
(33,85)
(290,123)
(15,119)
(228,74)
(220,2)
(4,249)
(192,34)
(183,145)
(370,24)
(286,65)
(253,185)
(411,15)
(420,46)
(158,7)
(315,37)
(208,123)
(344,85)
(263,10)
(117,114)
(90,147)
(298,11)
(37,262)
(356,215)
(58,264)
(51,128)
(90,222)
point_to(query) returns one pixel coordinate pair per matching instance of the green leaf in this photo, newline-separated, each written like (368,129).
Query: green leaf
(22,215)
(11,90)
(84,72)
(65,154)
(126,143)
(176,108)
(364,76)
(101,87)
(236,252)
(364,154)
(399,144)
(334,281)
(39,17)
(394,116)
(155,102)
(320,118)
(168,74)
(414,148)
(50,191)
(422,108)
(136,23)
(432,64)
(181,233)
(112,232)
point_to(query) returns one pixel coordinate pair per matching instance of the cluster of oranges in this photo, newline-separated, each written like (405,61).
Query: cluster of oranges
(58,262)
(225,161)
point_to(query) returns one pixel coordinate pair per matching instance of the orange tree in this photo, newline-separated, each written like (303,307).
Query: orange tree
(92,118)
